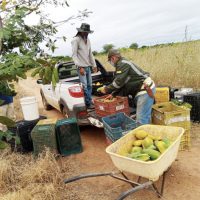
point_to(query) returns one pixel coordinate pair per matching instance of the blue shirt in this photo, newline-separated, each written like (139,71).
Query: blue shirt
(6,99)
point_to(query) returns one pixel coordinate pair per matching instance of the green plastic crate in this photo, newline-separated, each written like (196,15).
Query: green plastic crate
(68,137)
(43,135)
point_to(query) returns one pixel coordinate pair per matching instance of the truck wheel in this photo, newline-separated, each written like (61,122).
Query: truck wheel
(65,112)
(45,104)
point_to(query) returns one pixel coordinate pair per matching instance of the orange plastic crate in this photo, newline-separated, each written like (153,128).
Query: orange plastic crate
(103,109)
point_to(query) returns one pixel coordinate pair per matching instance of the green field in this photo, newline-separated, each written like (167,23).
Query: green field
(176,65)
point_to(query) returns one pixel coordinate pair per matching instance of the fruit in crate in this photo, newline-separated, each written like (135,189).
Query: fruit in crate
(98,84)
(107,100)
(100,89)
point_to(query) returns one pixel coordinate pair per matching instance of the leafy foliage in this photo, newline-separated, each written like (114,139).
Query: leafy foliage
(133,46)
(5,134)
(47,71)
(107,47)
(6,89)
(20,42)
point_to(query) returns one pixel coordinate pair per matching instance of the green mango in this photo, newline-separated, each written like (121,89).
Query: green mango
(155,137)
(152,147)
(167,142)
(134,155)
(141,134)
(161,146)
(152,153)
(137,143)
(147,142)
(143,157)
(136,149)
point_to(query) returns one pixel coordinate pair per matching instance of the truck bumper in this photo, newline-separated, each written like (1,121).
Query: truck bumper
(80,112)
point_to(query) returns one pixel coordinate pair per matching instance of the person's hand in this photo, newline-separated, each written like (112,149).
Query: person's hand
(94,69)
(102,90)
(110,97)
(82,71)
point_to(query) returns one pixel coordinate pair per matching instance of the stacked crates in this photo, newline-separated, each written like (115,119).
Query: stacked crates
(43,135)
(117,125)
(68,137)
(194,100)
(170,114)
(162,94)
(23,129)
(102,108)
(180,93)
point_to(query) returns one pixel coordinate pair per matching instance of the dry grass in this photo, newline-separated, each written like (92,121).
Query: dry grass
(23,177)
(176,66)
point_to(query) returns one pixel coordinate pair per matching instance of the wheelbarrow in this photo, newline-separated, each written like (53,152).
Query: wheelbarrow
(151,170)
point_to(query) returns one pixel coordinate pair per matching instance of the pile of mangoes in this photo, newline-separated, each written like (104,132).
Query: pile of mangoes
(97,84)
(107,100)
(146,147)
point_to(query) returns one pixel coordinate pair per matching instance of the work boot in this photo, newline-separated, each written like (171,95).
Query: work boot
(91,106)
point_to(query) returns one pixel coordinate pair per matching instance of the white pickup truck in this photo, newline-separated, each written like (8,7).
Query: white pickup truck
(68,96)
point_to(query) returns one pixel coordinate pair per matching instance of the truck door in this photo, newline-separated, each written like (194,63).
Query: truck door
(47,91)
(56,96)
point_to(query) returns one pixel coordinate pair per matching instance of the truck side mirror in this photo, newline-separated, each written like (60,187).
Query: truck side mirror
(39,81)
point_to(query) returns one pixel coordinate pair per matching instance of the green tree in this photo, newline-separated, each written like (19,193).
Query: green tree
(107,47)
(133,46)
(20,42)
(94,53)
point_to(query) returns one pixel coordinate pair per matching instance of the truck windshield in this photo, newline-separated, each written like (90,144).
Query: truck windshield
(67,71)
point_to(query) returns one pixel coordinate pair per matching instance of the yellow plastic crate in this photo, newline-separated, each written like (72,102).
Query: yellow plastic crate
(170,114)
(162,94)
(151,170)
(47,121)
(185,141)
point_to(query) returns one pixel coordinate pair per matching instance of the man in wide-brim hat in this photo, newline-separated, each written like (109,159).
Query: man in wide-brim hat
(84,28)
(84,60)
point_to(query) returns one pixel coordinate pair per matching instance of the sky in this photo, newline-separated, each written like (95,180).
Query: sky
(123,22)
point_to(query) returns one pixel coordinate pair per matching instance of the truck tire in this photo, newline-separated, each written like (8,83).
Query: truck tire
(45,103)
(64,111)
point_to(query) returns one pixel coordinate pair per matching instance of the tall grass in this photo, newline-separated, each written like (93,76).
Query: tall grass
(176,66)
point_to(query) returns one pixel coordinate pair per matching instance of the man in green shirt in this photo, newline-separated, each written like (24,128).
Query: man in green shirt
(131,80)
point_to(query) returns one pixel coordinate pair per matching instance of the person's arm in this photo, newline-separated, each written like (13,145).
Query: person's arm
(74,44)
(121,78)
(91,57)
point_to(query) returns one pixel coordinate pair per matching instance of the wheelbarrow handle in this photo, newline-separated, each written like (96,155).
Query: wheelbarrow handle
(135,189)
(75,178)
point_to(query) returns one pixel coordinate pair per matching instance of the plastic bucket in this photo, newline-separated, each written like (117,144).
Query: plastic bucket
(29,108)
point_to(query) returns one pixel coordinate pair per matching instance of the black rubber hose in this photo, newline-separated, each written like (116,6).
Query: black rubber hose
(75,178)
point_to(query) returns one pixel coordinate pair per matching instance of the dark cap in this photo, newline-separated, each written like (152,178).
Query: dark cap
(84,28)
(113,52)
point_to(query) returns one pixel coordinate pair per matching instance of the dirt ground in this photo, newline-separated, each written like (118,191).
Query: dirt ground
(182,180)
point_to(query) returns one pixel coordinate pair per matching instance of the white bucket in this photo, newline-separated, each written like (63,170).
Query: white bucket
(29,108)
